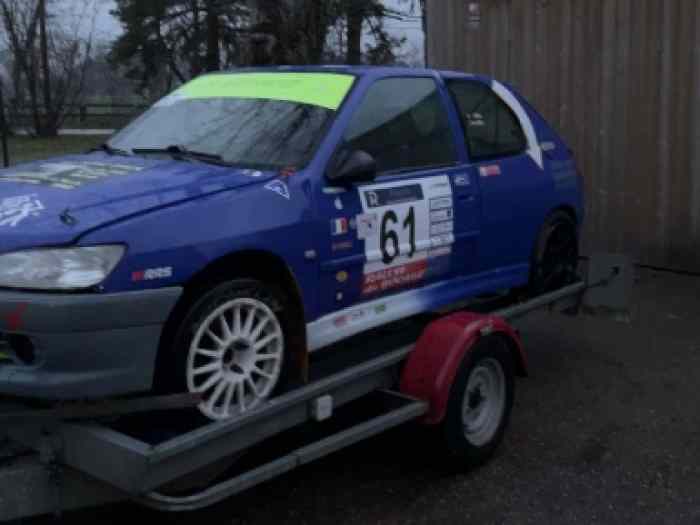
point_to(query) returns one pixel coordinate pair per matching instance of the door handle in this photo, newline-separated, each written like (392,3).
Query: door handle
(467,198)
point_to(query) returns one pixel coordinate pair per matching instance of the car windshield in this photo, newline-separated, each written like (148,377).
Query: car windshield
(264,122)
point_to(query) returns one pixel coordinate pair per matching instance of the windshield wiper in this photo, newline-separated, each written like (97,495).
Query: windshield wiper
(180,152)
(110,150)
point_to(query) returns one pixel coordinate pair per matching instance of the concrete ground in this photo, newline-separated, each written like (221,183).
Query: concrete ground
(605,430)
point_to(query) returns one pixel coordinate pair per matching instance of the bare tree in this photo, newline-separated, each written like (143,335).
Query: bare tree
(49,54)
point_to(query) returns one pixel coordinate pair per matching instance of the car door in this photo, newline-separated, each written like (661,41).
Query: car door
(403,230)
(506,160)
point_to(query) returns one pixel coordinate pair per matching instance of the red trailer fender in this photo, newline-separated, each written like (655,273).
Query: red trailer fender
(441,349)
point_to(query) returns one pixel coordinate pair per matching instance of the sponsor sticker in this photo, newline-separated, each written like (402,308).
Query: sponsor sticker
(366,225)
(394,277)
(278,187)
(440,203)
(339,226)
(462,180)
(341,246)
(350,317)
(14,210)
(379,197)
(380,309)
(490,171)
(443,251)
(68,175)
(440,228)
(252,173)
(440,186)
(442,240)
(441,215)
(152,274)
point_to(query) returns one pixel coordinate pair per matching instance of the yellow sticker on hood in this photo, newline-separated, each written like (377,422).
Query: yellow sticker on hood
(326,90)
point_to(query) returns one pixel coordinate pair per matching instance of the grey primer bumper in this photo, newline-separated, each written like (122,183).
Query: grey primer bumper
(86,346)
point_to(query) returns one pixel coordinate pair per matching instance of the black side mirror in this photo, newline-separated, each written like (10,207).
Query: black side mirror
(357,166)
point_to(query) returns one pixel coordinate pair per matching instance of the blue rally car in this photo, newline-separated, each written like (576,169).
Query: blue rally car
(250,218)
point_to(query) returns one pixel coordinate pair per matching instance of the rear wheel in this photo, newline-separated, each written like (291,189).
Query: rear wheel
(230,348)
(555,258)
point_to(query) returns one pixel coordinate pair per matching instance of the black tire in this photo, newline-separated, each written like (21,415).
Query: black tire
(171,371)
(555,256)
(470,450)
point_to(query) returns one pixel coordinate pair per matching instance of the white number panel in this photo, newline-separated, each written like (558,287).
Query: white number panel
(408,229)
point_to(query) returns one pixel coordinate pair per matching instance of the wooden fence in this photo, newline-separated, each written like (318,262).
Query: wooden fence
(620,79)
(89,115)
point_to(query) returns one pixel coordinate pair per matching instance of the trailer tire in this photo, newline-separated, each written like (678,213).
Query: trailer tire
(480,403)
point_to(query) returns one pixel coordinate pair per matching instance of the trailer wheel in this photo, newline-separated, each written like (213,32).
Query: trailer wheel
(230,348)
(480,402)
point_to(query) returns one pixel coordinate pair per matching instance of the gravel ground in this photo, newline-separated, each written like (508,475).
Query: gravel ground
(605,430)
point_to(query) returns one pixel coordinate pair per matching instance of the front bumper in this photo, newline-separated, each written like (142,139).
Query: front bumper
(87,345)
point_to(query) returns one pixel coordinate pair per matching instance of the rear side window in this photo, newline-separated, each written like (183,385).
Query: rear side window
(492,129)
(403,124)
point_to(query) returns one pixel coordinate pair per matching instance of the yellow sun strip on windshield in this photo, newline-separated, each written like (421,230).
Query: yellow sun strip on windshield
(318,89)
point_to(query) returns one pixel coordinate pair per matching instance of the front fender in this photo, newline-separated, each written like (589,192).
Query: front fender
(177,242)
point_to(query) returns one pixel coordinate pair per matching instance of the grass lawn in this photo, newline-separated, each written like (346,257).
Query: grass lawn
(23,149)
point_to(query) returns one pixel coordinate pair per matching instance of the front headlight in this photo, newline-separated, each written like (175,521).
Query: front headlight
(59,268)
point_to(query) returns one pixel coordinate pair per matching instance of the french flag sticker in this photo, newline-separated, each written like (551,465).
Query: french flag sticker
(339,226)
(490,171)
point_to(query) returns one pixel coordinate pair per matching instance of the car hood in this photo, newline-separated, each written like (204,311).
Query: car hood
(52,202)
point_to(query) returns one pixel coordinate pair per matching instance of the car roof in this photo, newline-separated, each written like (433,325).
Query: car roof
(375,71)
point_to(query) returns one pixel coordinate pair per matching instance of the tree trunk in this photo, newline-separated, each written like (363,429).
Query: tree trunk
(48,127)
(355,17)
(31,74)
(3,130)
(196,60)
(424,22)
(213,37)
(317,31)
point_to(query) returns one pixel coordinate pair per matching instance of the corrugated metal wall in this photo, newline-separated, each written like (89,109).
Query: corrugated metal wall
(620,79)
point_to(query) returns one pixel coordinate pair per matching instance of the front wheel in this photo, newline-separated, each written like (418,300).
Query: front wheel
(230,348)
(480,402)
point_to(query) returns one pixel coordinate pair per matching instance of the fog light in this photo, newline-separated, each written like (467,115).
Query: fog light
(5,349)
(17,348)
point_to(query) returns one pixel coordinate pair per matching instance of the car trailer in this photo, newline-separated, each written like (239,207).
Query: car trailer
(158,451)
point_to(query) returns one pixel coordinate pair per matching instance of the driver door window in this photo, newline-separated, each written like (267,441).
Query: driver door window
(403,124)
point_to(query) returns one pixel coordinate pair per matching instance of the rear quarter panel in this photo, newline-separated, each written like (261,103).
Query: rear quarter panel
(560,162)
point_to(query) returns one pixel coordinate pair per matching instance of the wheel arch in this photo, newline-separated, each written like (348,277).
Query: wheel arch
(565,208)
(261,265)
(568,210)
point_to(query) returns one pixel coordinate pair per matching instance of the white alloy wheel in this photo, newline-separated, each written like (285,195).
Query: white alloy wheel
(235,358)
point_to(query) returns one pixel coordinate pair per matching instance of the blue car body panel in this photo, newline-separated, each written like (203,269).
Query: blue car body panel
(178,217)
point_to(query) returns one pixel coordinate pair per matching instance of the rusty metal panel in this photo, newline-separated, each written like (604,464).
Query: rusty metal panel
(619,79)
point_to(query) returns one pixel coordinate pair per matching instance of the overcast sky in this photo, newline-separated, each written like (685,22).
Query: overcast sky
(107,27)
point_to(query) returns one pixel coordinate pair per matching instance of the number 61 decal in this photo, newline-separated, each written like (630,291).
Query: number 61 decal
(390,239)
